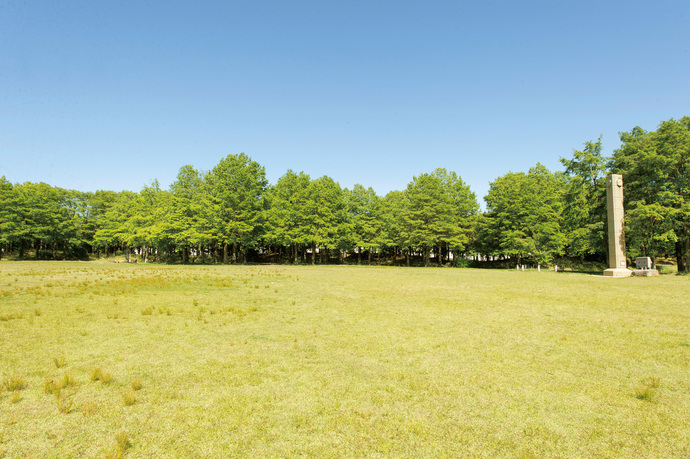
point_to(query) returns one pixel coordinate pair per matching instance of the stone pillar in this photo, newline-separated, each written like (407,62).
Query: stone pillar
(614,207)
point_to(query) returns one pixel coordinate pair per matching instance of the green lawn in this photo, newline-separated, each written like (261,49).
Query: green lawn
(99,359)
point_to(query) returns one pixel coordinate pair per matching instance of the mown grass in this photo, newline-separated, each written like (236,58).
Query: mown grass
(279,361)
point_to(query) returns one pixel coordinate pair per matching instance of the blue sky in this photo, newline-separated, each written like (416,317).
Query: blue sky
(111,95)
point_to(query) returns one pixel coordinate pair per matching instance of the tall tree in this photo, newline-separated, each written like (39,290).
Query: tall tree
(584,216)
(287,212)
(187,221)
(524,215)
(463,209)
(8,216)
(438,213)
(363,219)
(324,212)
(394,233)
(237,187)
(656,172)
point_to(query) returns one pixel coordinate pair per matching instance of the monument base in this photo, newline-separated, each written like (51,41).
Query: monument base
(617,272)
(645,272)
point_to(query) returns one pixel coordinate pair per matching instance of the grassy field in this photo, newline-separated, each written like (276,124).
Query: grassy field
(103,360)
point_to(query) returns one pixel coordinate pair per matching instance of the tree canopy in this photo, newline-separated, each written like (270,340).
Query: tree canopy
(231,214)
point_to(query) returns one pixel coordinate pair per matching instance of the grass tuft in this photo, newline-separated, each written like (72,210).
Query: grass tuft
(51,387)
(122,444)
(129,398)
(6,317)
(67,381)
(14,383)
(64,403)
(88,407)
(59,361)
(97,374)
(136,384)
(647,390)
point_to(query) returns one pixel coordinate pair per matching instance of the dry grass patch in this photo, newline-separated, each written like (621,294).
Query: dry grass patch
(129,398)
(14,383)
(97,374)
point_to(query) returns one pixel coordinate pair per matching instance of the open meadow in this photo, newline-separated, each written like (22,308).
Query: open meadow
(104,360)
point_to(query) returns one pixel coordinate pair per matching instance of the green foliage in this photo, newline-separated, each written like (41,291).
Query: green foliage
(524,216)
(534,216)
(287,211)
(362,227)
(237,187)
(584,216)
(656,172)
(438,211)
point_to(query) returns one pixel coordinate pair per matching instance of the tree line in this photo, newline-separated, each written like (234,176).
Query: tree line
(231,214)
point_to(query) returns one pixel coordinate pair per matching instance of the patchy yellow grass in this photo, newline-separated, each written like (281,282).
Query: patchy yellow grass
(278,361)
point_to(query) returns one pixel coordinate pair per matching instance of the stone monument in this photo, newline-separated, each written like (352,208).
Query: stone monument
(644,267)
(614,206)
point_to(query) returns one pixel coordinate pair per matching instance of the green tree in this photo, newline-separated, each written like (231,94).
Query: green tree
(524,215)
(438,214)
(237,187)
(461,218)
(9,233)
(286,215)
(188,222)
(394,233)
(584,217)
(363,221)
(426,206)
(656,172)
(100,225)
(323,214)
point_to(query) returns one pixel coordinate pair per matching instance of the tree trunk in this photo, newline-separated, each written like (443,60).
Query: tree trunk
(369,257)
(427,255)
(440,254)
(680,256)
(313,252)
(225,253)
(687,253)
(407,257)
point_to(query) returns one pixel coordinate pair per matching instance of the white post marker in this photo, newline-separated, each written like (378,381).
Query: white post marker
(538,268)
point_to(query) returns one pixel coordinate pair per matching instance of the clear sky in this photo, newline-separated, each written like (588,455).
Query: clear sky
(111,95)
